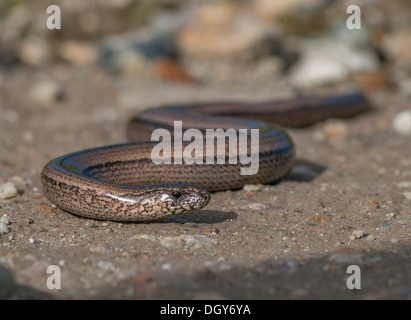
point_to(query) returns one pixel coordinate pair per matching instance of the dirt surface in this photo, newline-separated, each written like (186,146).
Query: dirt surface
(288,240)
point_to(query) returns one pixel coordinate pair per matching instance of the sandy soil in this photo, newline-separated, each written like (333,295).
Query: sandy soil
(289,240)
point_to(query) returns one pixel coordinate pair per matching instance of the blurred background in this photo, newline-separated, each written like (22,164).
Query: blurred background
(305,43)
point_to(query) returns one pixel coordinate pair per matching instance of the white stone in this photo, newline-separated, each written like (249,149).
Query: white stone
(45,91)
(8,190)
(402,123)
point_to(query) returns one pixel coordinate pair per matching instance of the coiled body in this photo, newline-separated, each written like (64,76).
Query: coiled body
(122,183)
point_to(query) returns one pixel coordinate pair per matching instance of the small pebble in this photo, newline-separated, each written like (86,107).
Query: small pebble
(28,136)
(8,190)
(370,237)
(335,130)
(5,219)
(252,187)
(357,234)
(46,92)
(4,229)
(166,266)
(257,206)
(402,123)
(212,230)
(390,215)
(393,240)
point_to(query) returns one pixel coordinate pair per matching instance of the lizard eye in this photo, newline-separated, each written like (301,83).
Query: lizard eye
(176,195)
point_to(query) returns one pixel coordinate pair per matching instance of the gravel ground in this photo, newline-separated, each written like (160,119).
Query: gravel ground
(345,202)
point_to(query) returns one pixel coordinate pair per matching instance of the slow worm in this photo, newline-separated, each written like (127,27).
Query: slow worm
(121,182)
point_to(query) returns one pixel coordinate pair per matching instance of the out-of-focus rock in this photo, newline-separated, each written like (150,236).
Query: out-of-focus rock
(46,92)
(13,24)
(223,41)
(402,123)
(8,190)
(222,30)
(78,52)
(397,47)
(296,17)
(333,58)
(4,222)
(34,51)
(270,10)
(133,52)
